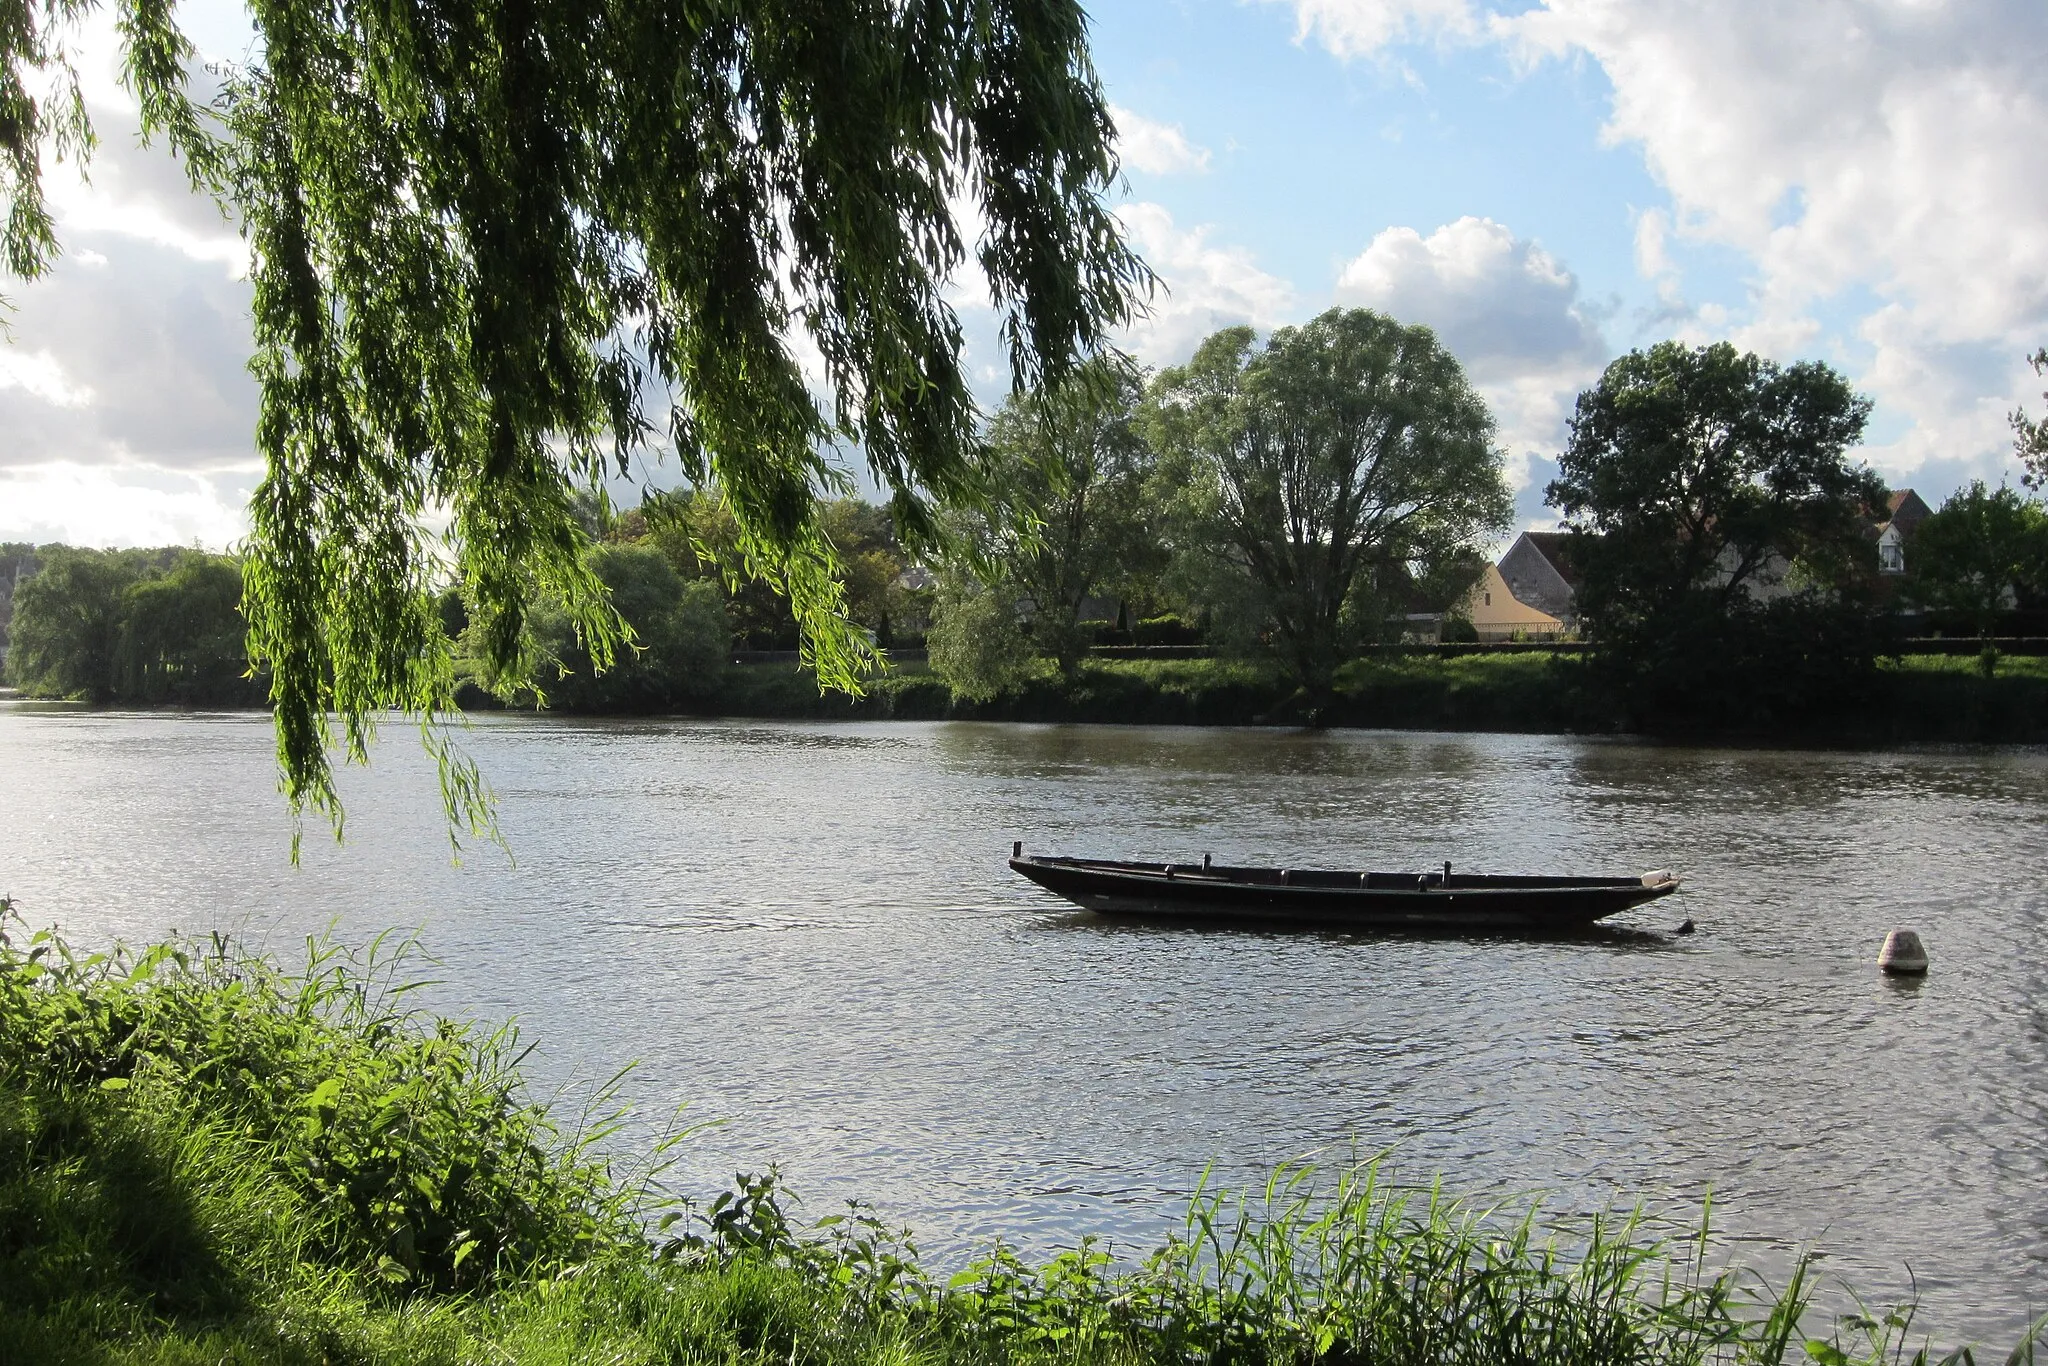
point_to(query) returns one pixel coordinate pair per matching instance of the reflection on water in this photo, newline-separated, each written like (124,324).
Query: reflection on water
(808,933)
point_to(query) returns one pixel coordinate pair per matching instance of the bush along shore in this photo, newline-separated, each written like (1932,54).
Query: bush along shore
(1915,698)
(205,1158)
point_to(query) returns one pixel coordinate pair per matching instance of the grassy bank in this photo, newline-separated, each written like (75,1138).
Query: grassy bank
(204,1159)
(1915,698)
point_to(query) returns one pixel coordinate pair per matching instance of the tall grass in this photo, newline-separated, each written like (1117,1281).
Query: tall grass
(205,1158)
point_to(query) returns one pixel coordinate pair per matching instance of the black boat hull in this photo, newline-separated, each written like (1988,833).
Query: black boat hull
(1341,900)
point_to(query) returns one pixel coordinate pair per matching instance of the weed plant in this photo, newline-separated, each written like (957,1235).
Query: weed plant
(207,1159)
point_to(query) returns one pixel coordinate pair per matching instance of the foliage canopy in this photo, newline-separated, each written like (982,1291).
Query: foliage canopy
(1722,536)
(1707,471)
(500,245)
(978,645)
(1351,443)
(1073,516)
(681,639)
(131,626)
(1984,552)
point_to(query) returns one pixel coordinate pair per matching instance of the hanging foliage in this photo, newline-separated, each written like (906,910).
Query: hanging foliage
(499,245)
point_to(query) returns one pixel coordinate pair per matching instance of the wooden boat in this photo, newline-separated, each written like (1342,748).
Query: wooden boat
(1435,901)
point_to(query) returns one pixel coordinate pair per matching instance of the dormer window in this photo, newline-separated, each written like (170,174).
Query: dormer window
(1891,552)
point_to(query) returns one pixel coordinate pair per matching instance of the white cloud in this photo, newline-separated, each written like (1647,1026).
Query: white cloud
(1156,148)
(1879,163)
(120,506)
(1957,394)
(1885,148)
(1879,143)
(139,359)
(1504,306)
(38,374)
(1205,287)
(128,410)
(1653,253)
(141,193)
(1360,28)
(125,398)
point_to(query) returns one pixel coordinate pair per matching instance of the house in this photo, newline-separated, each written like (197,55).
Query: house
(1538,567)
(1537,572)
(1905,512)
(1497,614)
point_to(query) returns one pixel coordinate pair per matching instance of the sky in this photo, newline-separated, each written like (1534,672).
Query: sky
(1548,186)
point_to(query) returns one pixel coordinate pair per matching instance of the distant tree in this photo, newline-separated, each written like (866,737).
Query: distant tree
(677,652)
(1696,473)
(977,645)
(1721,532)
(1349,444)
(2030,436)
(701,538)
(17,562)
(454,613)
(1985,552)
(696,531)
(66,632)
(181,636)
(870,561)
(1070,469)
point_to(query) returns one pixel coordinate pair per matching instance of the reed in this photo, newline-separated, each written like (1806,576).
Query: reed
(206,1158)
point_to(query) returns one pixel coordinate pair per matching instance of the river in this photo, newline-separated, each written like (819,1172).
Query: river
(806,933)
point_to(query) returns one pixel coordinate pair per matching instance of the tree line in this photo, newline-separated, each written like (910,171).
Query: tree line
(143,626)
(1294,499)
(1306,497)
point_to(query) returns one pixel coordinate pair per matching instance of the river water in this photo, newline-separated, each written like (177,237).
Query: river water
(807,934)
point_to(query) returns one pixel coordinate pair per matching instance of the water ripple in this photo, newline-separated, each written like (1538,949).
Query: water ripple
(807,932)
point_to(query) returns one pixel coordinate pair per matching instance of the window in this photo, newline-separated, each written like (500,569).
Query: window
(1489,598)
(1891,556)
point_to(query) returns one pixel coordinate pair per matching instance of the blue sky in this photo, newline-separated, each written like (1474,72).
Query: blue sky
(1312,155)
(1548,185)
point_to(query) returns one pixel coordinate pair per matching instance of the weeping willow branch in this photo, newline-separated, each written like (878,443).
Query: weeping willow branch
(498,246)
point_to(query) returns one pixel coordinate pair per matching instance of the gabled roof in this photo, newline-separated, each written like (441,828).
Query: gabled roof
(1908,509)
(1554,546)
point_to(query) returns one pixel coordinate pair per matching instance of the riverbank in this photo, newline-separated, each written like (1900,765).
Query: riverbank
(1912,699)
(205,1158)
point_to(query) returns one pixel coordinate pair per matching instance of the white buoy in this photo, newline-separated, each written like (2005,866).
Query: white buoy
(1903,953)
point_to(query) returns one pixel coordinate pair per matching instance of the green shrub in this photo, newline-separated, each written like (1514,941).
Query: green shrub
(406,1138)
(976,642)
(1165,630)
(681,648)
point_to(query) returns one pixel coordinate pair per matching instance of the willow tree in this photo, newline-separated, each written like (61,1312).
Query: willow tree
(1350,446)
(497,245)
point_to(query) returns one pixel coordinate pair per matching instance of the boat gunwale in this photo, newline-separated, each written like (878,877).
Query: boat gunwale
(1360,881)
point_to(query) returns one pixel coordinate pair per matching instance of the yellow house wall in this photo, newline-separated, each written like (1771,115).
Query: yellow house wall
(1497,614)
